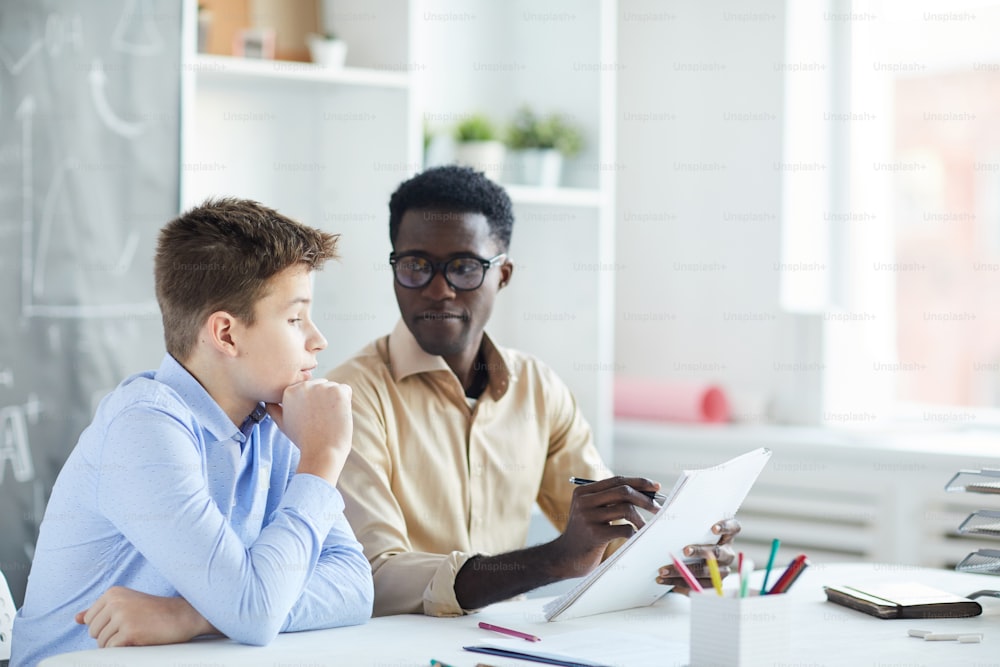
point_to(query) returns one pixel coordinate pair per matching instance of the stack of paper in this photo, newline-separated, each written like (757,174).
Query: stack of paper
(627,579)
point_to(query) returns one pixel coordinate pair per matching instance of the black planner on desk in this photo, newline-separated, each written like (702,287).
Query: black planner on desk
(905,600)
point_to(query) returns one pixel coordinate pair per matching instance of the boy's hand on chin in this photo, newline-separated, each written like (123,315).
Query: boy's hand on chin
(316,416)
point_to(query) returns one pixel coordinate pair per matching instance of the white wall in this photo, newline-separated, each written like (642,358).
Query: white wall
(700,105)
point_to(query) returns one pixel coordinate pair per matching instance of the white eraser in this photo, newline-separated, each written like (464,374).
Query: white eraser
(919,633)
(970,638)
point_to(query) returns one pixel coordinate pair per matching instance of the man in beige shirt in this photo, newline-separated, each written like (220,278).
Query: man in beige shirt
(455,438)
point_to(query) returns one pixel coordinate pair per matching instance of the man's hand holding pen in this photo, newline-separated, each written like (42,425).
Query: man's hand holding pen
(722,550)
(658,497)
(604,511)
(600,513)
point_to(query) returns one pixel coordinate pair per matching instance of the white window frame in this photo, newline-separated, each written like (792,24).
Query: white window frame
(843,320)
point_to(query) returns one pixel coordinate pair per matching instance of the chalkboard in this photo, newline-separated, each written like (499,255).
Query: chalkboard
(89,171)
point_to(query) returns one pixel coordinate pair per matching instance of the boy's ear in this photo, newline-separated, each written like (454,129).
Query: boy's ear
(220,329)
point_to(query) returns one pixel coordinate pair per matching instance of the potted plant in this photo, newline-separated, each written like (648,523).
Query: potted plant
(327,50)
(477,145)
(432,147)
(539,145)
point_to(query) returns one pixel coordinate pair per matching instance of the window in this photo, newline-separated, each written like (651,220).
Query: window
(908,118)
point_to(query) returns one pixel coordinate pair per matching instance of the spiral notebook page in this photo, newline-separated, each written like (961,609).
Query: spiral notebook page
(627,579)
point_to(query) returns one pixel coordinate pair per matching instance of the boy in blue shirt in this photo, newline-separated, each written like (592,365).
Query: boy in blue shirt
(202,498)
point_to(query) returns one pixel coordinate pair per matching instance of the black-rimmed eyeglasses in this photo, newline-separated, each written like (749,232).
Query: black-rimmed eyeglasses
(463,272)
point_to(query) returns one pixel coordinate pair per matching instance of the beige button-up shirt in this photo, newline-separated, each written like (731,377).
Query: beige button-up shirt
(431,481)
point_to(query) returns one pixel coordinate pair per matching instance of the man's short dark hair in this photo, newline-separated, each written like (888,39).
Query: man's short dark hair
(457,190)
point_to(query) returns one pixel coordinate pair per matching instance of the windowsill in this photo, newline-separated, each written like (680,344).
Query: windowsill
(964,440)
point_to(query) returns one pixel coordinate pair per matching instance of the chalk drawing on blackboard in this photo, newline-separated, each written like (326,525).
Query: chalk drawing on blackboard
(45,231)
(136,32)
(13,64)
(111,120)
(14,446)
(127,255)
(24,29)
(32,271)
(117,268)
(32,408)
(63,31)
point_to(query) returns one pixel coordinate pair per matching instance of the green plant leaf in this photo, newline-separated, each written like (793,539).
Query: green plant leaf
(476,127)
(529,130)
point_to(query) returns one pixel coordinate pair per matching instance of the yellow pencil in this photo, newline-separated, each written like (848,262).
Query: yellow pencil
(713,571)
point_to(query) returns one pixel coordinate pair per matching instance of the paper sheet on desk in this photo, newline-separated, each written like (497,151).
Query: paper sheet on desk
(627,579)
(614,649)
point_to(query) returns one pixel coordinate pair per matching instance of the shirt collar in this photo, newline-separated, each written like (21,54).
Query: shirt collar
(209,414)
(407,358)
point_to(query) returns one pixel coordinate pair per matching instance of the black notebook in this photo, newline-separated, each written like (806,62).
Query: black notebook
(906,600)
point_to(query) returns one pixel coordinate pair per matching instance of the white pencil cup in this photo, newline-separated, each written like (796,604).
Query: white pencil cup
(732,631)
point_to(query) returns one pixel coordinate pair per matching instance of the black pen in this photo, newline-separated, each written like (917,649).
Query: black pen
(658,497)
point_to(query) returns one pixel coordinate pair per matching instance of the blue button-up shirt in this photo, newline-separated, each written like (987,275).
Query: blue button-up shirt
(165,495)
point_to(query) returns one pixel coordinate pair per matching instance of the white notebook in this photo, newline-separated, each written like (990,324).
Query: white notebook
(627,579)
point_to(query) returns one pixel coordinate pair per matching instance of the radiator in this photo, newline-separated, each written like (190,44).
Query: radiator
(835,496)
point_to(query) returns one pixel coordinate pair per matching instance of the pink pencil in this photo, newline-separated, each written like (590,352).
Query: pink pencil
(686,573)
(508,631)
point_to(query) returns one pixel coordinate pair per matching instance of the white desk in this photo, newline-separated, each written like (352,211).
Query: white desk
(823,633)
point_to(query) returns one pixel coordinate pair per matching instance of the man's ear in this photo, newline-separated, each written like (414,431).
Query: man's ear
(221,330)
(506,271)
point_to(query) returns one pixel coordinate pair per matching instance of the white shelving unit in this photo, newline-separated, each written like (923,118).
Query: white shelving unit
(227,67)
(560,197)
(328,147)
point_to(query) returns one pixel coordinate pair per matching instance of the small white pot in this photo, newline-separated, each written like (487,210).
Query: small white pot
(484,156)
(540,166)
(327,52)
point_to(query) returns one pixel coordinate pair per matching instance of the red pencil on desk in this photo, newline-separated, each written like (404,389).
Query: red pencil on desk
(508,631)
(795,575)
(790,574)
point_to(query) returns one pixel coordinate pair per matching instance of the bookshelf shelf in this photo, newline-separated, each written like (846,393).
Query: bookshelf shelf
(570,197)
(211,68)
(329,146)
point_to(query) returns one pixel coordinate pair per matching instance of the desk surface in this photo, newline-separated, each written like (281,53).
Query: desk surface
(823,633)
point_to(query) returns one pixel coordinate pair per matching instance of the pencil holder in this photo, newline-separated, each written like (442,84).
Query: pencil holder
(754,630)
